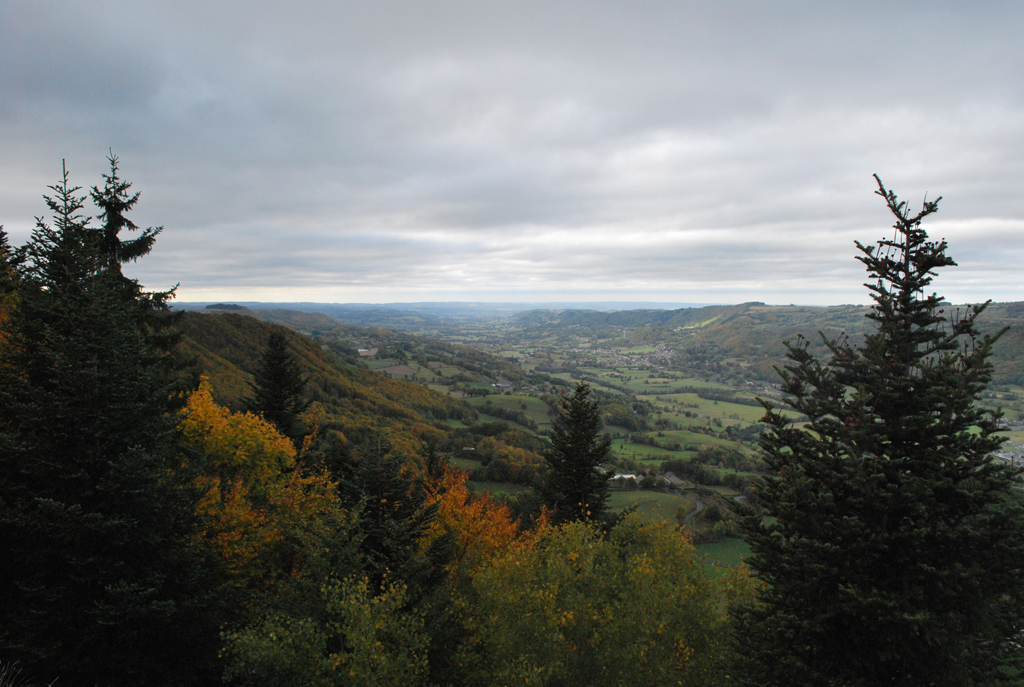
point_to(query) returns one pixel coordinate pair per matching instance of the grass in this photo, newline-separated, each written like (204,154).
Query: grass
(465,463)
(379,363)
(729,551)
(536,409)
(645,452)
(657,505)
(691,438)
(497,487)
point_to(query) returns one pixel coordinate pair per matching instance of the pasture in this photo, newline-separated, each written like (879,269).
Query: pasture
(657,505)
(497,487)
(729,551)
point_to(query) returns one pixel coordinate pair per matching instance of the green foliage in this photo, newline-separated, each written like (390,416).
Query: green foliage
(621,416)
(98,586)
(356,403)
(114,202)
(365,637)
(894,549)
(692,470)
(278,388)
(393,519)
(575,487)
(634,607)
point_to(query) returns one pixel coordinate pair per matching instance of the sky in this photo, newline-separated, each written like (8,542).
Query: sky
(405,151)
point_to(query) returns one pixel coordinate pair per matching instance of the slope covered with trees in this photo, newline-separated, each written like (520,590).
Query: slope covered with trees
(353,402)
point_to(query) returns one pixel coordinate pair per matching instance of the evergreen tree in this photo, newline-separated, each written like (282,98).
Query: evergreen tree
(576,488)
(96,585)
(8,277)
(278,389)
(393,518)
(114,202)
(7,263)
(895,544)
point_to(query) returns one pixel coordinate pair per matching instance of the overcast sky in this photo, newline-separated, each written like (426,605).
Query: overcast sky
(382,151)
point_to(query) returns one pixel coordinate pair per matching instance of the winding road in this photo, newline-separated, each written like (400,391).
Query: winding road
(698,509)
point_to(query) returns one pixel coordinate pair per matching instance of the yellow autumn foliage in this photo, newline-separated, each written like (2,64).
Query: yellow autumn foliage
(256,506)
(480,528)
(633,607)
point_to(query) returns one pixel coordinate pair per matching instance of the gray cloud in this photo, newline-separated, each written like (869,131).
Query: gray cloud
(504,151)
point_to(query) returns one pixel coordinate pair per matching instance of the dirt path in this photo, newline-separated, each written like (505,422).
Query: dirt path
(698,509)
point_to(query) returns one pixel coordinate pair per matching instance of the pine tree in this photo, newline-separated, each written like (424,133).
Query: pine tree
(8,276)
(114,202)
(394,517)
(894,549)
(576,488)
(278,388)
(97,585)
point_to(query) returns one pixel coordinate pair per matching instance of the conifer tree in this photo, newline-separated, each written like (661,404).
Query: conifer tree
(393,518)
(96,585)
(894,549)
(7,263)
(278,388)
(114,202)
(576,488)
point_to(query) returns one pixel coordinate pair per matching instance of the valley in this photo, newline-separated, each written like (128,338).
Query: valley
(680,392)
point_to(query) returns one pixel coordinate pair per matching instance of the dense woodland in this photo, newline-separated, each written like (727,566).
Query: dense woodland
(210,498)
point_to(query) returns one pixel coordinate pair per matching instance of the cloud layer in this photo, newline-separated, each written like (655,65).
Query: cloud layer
(409,151)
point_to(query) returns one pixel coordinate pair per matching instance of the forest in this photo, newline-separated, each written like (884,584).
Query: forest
(254,498)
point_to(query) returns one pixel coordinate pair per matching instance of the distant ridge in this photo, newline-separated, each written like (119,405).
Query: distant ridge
(447,308)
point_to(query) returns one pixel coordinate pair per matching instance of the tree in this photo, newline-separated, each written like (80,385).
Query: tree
(634,607)
(8,279)
(576,488)
(114,202)
(258,511)
(98,586)
(278,388)
(894,550)
(365,636)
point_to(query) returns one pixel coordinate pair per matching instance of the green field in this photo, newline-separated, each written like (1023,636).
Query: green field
(691,438)
(626,449)
(497,487)
(380,363)
(654,504)
(536,409)
(466,463)
(730,551)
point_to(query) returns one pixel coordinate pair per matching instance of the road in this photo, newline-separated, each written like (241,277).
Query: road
(698,509)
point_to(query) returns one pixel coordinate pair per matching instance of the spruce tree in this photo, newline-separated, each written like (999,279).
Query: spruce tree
(575,487)
(278,387)
(894,549)
(97,584)
(114,201)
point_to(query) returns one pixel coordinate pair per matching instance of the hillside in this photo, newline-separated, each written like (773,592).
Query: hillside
(750,334)
(443,365)
(358,410)
(356,402)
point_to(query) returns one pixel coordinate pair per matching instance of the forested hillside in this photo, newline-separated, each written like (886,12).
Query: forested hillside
(355,402)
